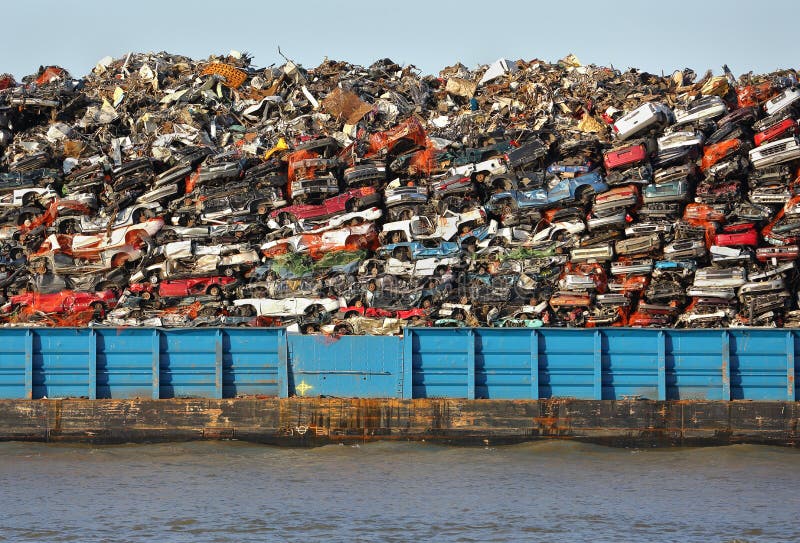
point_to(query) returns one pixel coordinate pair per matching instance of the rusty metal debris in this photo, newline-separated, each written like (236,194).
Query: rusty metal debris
(162,191)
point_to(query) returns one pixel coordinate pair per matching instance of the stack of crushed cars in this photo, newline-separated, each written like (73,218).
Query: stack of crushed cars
(163,191)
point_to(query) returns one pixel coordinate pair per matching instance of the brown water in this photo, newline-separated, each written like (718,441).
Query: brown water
(549,491)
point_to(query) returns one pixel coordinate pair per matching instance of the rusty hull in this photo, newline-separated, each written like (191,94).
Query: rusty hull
(317,421)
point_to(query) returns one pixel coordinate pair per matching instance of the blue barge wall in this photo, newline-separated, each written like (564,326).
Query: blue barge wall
(466,363)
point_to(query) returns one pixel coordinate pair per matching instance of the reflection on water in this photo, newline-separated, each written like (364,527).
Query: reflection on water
(546,491)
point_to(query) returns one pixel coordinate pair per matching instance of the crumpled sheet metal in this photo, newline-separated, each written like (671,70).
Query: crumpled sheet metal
(159,189)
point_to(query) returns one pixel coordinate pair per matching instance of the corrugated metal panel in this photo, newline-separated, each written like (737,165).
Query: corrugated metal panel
(350,366)
(61,362)
(629,363)
(793,386)
(189,361)
(441,362)
(567,363)
(695,363)
(753,364)
(759,364)
(251,362)
(125,362)
(15,363)
(503,360)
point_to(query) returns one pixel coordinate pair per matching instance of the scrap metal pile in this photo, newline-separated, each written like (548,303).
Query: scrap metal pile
(163,191)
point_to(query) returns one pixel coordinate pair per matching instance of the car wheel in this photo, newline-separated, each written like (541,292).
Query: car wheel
(400,253)
(228,272)
(214,290)
(154,278)
(262,209)
(314,310)
(585,195)
(141,215)
(69,227)
(147,295)
(246,311)
(105,285)
(343,330)
(24,217)
(99,307)
(119,260)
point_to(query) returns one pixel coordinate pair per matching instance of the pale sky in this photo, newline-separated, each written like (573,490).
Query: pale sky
(652,36)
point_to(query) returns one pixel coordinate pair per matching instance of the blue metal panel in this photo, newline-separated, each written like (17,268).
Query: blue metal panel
(597,366)
(662,365)
(251,361)
(791,371)
(694,364)
(92,365)
(218,363)
(14,364)
(726,365)
(29,364)
(350,366)
(188,363)
(503,363)
(470,345)
(534,365)
(61,362)
(796,376)
(758,364)
(440,360)
(408,375)
(566,363)
(630,363)
(124,363)
(155,362)
(428,362)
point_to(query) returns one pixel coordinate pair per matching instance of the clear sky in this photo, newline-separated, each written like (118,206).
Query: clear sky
(653,36)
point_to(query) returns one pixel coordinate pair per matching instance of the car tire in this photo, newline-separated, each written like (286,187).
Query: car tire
(246,311)
(343,330)
(585,195)
(314,310)
(119,260)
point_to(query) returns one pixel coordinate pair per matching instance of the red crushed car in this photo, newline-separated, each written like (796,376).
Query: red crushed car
(194,286)
(625,156)
(63,302)
(755,95)
(736,235)
(704,212)
(351,200)
(405,137)
(787,252)
(780,130)
(718,151)
(363,311)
